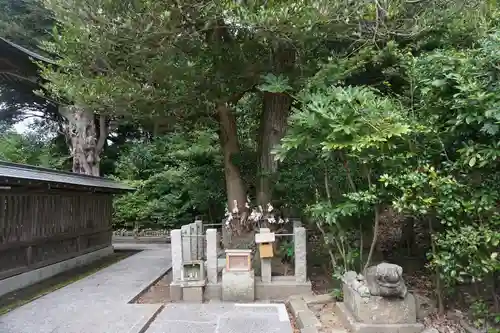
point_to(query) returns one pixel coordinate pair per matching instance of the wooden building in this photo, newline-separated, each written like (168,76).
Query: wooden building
(49,217)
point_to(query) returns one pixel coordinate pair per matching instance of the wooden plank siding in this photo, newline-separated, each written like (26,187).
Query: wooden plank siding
(40,228)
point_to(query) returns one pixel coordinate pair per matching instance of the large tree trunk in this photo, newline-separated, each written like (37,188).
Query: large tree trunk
(276,108)
(228,136)
(86,134)
(275,111)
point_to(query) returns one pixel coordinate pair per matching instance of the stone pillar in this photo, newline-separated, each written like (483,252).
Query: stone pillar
(296,222)
(186,242)
(265,263)
(300,247)
(265,270)
(194,242)
(176,247)
(200,239)
(212,269)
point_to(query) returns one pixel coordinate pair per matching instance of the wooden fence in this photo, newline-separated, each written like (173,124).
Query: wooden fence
(41,228)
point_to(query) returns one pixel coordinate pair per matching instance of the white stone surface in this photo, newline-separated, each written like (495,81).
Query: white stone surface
(177,257)
(222,318)
(265,237)
(212,267)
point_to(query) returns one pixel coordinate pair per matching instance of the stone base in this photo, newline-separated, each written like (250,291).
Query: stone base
(380,310)
(238,286)
(213,291)
(280,288)
(191,291)
(354,326)
(175,292)
(192,294)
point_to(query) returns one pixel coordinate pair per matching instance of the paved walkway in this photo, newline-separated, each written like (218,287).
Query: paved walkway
(99,304)
(222,318)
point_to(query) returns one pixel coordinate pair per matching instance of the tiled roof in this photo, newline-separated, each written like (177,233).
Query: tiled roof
(31,173)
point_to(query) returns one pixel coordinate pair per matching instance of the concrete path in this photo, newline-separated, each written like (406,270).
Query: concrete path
(222,318)
(99,302)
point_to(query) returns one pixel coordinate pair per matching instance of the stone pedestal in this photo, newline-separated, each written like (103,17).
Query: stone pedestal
(380,310)
(349,322)
(376,314)
(188,291)
(238,286)
(193,291)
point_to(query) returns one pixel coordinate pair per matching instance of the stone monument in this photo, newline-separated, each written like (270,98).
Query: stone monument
(238,277)
(378,302)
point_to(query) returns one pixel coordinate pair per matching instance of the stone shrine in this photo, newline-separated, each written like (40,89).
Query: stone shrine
(203,271)
(378,301)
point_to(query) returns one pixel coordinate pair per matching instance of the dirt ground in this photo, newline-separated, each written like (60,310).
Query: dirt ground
(158,292)
(326,315)
(15,299)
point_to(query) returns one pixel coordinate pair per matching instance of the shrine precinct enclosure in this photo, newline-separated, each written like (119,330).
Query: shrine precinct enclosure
(51,222)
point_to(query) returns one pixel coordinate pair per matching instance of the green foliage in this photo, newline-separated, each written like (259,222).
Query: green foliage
(458,90)
(395,103)
(25,22)
(470,221)
(177,177)
(361,126)
(30,147)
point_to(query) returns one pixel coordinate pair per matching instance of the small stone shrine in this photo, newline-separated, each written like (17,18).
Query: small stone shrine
(193,271)
(199,274)
(378,302)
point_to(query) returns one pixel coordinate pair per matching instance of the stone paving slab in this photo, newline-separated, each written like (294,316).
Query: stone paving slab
(97,303)
(222,318)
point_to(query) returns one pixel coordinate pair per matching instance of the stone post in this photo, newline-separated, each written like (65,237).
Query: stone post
(200,239)
(296,222)
(186,242)
(194,241)
(265,263)
(176,247)
(212,269)
(265,270)
(300,247)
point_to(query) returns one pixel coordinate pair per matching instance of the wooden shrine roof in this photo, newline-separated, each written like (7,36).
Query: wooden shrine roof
(12,174)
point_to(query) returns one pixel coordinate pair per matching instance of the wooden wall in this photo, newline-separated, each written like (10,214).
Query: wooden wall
(41,228)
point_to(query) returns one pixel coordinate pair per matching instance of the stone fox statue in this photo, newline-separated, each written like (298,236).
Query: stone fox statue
(386,280)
